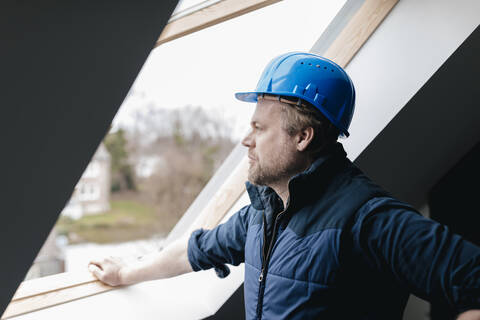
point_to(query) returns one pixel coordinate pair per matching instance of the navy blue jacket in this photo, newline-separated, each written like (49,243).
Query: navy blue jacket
(343,248)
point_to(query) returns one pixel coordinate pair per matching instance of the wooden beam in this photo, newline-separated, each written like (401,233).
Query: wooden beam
(59,281)
(209,16)
(36,294)
(362,25)
(54,297)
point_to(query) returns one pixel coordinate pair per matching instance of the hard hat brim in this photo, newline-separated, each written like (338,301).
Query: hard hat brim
(247,96)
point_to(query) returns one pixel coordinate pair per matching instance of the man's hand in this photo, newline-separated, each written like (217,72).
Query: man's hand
(171,261)
(109,270)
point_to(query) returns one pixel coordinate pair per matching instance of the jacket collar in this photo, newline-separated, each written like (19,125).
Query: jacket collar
(304,184)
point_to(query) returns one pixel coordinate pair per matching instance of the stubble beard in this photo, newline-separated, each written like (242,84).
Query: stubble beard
(258,175)
(268,175)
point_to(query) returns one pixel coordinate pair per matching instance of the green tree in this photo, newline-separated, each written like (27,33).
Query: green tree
(122,177)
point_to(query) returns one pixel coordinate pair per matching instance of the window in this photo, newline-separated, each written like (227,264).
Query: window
(180,121)
(89,191)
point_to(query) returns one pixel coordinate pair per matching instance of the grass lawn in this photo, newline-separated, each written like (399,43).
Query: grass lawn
(127,220)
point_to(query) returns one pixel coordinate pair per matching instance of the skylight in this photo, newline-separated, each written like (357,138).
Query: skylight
(202,70)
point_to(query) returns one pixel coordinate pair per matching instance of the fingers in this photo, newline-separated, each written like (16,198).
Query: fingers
(96,271)
(103,261)
(96,263)
(107,270)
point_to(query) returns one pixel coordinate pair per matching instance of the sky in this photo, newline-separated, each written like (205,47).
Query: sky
(206,68)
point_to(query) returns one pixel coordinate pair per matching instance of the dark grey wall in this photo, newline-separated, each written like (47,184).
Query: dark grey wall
(65,68)
(453,201)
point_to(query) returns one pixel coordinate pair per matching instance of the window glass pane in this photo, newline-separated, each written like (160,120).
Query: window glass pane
(176,126)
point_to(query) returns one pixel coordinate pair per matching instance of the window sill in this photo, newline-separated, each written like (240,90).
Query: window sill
(36,294)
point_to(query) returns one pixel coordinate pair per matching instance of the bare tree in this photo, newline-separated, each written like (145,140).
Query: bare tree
(190,145)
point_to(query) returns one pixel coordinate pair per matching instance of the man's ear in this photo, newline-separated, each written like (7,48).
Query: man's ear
(304,138)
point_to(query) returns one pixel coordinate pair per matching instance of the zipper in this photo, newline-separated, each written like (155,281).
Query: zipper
(265,259)
(263,246)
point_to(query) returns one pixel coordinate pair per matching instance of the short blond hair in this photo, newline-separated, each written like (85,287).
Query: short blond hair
(299,115)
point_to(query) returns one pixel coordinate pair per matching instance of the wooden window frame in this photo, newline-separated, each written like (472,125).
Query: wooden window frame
(209,16)
(36,294)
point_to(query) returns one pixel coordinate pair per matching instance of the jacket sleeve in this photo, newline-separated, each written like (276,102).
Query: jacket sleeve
(434,263)
(223,244)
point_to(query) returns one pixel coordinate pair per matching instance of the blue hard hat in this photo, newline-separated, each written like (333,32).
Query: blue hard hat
(312,78)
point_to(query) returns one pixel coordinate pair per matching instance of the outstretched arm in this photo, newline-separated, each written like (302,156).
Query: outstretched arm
(171,261)
(208,249)
(434,263)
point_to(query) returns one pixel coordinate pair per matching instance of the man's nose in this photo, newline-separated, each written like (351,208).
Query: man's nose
(247,141)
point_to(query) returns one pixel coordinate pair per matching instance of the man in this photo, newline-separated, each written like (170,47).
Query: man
(319,240)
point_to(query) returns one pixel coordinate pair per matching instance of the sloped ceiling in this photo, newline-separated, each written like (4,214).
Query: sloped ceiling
(436,128)
(65,68)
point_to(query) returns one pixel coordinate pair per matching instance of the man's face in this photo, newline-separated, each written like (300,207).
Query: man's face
(271,150)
